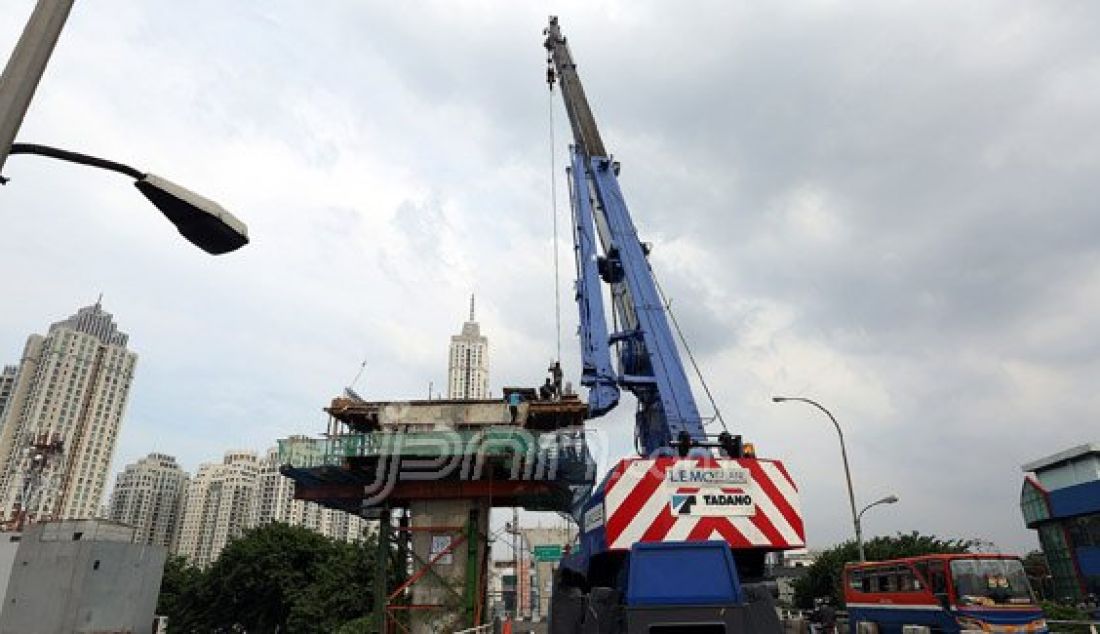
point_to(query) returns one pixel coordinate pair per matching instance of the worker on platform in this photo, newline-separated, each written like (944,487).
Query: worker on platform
(555,373)
(546,390)
(514,399)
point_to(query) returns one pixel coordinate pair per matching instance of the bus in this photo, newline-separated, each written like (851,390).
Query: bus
(944,593)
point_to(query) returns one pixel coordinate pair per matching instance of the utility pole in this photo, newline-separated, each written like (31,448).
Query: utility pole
(516,557)
(26,66)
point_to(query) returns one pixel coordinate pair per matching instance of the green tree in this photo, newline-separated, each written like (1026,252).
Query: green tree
(1057,612)
(1038,574)
(342,590)
(822,579)
(179,598)
(273,578)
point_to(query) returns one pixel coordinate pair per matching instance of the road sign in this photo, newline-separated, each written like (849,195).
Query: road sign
(548,553)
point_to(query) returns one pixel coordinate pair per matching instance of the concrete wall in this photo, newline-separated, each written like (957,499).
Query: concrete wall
(442,415)
(66,580)
(9,544)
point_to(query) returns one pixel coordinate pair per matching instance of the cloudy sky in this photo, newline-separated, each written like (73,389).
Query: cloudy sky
(889,207)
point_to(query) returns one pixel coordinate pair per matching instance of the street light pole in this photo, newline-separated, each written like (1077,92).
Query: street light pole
(844,456)
(26,66)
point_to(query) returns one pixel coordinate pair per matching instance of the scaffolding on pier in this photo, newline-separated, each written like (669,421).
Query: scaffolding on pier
(429,471)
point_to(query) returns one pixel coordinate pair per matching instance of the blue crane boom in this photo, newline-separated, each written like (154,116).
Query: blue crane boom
(649,363)
(676,539)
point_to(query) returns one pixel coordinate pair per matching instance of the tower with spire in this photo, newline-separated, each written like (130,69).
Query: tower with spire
(60,426)
(468,364)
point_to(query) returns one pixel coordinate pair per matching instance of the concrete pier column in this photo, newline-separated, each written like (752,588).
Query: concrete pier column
(456,582)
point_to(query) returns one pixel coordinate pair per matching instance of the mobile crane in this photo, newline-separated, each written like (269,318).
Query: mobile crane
(672,540)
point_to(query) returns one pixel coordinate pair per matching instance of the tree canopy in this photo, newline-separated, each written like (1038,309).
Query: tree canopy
(273,578)
(822,579)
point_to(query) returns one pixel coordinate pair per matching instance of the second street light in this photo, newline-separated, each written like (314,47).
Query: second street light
(889,499)
(204,223)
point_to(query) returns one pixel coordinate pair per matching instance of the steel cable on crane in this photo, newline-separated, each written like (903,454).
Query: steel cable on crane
(687,349)
(554,214)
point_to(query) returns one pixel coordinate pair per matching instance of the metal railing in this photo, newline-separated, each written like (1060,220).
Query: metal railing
(793,614)
(490,441)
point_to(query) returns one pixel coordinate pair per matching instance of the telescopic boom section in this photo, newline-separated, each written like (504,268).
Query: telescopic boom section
(585,133)
(649,363)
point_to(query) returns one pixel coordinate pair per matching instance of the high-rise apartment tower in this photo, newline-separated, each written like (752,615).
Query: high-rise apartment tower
(149,496)
(275,503)
(60,426)
(220,506)
(468,366)
(7,384)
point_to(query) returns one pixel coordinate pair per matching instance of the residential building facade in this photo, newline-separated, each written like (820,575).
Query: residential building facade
(149,495)
(7,384)
(62,418)
(224,500)
(275,503)
(219,506)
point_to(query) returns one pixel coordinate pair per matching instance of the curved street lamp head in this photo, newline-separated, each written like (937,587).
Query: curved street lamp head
(889,499)
(204,223)
(778,399)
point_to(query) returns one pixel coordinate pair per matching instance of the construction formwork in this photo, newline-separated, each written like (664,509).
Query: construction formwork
(430,471)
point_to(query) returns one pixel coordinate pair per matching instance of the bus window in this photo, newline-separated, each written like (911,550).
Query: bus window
(922,572)
(855,580)
(990,582)
(891,578)
(937,577)
(906,580)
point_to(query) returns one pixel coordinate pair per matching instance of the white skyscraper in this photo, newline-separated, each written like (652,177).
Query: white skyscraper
(275,503)
(468,366)
(220,506)
(149,496)
(275,496)
(62,418)
(7,384)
